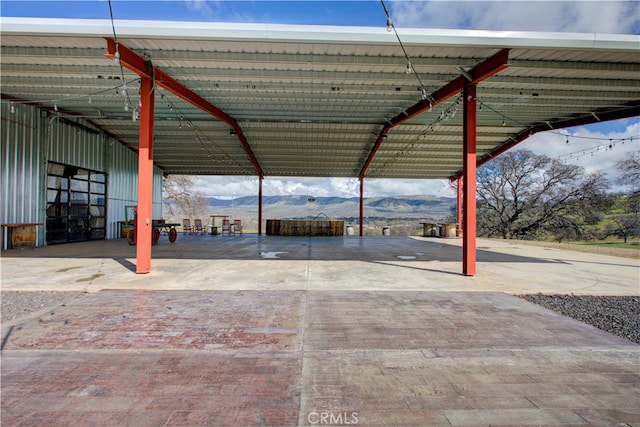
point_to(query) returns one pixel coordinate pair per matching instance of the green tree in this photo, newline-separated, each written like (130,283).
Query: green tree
(523,195)
(625,222)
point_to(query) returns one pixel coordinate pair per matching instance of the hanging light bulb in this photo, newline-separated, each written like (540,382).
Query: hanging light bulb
(409,68)
(424,94)
(504,123)
(116,57)
(126,105)
(55,107)
(389,24)
(12,108)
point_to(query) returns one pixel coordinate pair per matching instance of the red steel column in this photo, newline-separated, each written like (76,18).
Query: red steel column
(469,179)
(260,205)
(361,203)
(460,207)
(145,178)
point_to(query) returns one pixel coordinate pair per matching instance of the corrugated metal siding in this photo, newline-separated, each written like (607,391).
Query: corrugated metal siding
(72,145)
(27,134)
(123,186)
(21,195)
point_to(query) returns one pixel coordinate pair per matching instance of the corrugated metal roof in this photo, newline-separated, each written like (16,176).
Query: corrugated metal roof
(312,100)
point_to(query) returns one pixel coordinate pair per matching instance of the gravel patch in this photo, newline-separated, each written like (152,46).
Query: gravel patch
(618,315)
(17,304)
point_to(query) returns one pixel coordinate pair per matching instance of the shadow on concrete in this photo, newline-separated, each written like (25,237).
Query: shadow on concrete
(254,247)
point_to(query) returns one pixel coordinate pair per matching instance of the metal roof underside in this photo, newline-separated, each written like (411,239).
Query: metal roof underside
(312,101)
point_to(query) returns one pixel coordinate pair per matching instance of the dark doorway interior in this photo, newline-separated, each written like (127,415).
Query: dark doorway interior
(76,204)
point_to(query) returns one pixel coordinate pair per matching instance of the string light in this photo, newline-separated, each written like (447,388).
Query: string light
(608,146)
(203,138)
(116,59)
(410,69)
(405,150)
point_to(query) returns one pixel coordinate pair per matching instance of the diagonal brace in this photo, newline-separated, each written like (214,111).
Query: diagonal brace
(144,68)
(482,71)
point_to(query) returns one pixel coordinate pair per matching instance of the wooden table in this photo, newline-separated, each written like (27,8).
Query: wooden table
(214,229)
(20,235)
(293,227)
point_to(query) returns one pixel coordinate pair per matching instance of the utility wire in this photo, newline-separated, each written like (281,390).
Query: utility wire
(410,66)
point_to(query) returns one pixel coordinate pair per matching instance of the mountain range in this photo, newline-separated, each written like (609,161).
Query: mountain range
(421,206)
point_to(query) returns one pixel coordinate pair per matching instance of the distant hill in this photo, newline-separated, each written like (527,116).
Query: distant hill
(419,207)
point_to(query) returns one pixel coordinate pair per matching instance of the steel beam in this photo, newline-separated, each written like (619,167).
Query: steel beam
(144,68)
(459,207)
(145,178)
(469,178)
(480,72)
(627,111)
(260,179)
(361,204)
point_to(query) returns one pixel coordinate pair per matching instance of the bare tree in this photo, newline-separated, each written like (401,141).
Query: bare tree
(180,198)
(524,195)
(629,169)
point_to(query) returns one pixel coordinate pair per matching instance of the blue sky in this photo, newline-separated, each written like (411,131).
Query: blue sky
(604,16)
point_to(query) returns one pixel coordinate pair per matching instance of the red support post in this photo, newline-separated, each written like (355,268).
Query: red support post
(260,178)
(469,177)
(137,64)
(482,71)
(361,204)
(460,207)
(145,178)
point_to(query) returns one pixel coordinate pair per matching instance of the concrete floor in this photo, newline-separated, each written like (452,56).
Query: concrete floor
(248,330)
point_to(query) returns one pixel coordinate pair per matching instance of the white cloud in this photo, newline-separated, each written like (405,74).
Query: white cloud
(587,147)
(593,150)
(620,17)
(517,15)
(231,187)
(200,6)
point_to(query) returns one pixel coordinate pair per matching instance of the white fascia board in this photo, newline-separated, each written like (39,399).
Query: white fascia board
(317,34)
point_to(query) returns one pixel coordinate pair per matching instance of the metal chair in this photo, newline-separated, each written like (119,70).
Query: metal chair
(186,226)
(226,226)
(237,226)
(197,226)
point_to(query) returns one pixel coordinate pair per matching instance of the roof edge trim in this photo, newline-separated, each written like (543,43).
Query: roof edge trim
(314,33)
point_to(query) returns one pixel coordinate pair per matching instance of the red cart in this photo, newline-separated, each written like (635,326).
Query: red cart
(158,227)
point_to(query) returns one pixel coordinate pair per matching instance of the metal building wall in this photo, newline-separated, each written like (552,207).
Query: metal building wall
(73,145)
(31,137)
(123,186)
(22,168)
